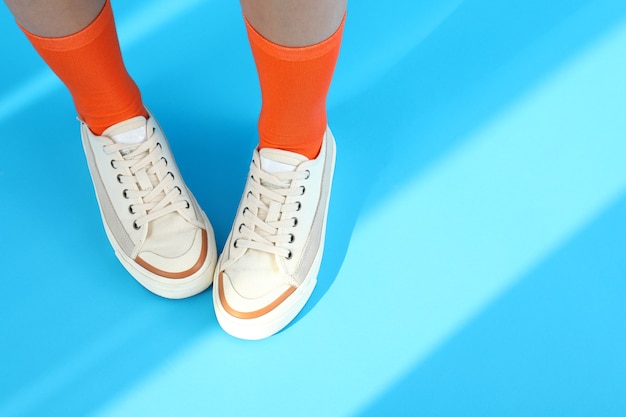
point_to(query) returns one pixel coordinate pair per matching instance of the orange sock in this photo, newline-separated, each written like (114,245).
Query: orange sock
(90,64)
(294,85)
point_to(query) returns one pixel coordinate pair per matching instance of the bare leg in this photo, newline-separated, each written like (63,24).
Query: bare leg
(294,22)
(54,18)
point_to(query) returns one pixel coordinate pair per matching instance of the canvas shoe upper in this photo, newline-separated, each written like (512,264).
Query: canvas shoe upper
(269,265)
(152,220)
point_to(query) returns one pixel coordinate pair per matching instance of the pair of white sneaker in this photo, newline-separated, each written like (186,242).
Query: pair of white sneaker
(269,265)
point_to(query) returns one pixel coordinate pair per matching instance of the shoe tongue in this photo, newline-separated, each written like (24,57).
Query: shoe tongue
(130,132)
(276,160)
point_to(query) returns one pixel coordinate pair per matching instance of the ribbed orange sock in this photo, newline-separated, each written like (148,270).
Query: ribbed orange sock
(294,85)
(90,64)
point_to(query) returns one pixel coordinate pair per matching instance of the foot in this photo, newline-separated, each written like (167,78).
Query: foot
(270,262)
(158,231)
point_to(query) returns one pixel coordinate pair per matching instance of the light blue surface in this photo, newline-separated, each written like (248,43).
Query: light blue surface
(475,260)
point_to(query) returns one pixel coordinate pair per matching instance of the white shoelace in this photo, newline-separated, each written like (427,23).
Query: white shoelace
(267,212)
(153,183)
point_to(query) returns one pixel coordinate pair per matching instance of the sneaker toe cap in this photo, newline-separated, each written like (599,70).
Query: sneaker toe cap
(177,264)
(242,300)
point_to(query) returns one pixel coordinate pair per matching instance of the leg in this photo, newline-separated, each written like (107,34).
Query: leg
(80,45)
(270,262)
(294,22)
(295,53)
(70,16)
(158,231)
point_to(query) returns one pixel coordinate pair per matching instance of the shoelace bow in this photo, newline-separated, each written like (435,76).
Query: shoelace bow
(145,172)
(268,215)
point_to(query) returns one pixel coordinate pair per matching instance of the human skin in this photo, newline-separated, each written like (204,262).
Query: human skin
(294,22)
(285,22)
(54,18)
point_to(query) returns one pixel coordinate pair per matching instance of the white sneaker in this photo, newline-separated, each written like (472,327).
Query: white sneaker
(269,265)
(152,220)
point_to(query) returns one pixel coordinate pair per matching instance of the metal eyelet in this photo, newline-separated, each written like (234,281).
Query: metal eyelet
(131,210)
(240,226)
(235,244)
(303,188)
(171,174)
(289,255)
(125,193)
(136,226)
(299,205)
(291,238)
(295,221)
(163,158)
(119,178)
(113,164)
(176,187)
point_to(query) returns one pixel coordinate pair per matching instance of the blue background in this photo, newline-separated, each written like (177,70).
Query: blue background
(476,248)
